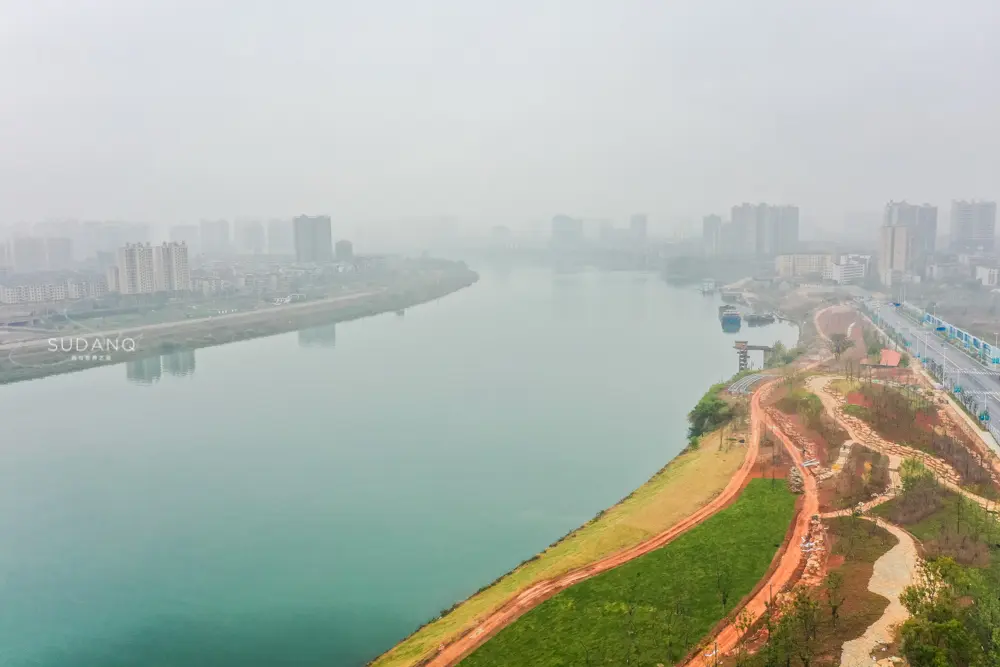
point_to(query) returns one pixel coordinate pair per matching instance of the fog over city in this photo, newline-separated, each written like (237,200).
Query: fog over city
(389,115)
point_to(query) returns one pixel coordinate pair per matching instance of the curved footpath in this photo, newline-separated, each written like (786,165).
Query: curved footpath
(533,596)
(818,386)
(893,572)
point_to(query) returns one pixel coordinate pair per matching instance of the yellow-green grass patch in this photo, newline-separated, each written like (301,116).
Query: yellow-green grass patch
(687,483)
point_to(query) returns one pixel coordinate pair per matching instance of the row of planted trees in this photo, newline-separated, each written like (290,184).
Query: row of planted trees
(955,607)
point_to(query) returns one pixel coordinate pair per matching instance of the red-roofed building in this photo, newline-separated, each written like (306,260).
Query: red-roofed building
(890,358)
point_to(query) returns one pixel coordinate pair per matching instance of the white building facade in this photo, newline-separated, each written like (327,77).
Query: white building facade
(792,266)
(135,269)
(171,272)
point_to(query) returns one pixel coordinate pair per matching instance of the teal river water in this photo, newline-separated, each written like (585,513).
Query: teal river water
(310,498)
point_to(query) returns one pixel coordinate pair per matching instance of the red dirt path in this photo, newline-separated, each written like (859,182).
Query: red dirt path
(543,590)
(788,569)
(451,654)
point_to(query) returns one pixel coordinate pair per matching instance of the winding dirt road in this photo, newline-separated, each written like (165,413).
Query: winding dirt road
(727,639)
(452,653)
(531,597)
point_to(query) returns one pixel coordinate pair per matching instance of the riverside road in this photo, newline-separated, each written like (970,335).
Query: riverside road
(973,377)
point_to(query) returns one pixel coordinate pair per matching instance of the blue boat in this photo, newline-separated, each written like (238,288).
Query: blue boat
(730,318)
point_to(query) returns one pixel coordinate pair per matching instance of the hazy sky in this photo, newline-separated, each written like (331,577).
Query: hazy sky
(513,110)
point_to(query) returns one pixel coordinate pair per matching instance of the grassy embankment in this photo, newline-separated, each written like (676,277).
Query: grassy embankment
(685,484)
(656,608)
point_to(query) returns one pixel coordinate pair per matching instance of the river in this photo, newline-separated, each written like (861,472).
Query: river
(310,498)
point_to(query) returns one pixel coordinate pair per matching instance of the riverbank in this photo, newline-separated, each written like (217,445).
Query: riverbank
(687,483)
(36,359)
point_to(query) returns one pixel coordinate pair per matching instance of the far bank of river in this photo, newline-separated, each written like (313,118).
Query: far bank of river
(37,359)
(295,503)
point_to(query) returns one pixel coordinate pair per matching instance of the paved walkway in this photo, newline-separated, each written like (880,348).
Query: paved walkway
(893,572)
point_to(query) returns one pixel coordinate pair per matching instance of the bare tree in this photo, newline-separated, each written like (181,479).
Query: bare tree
(834,585)
(839,343)
(723,582)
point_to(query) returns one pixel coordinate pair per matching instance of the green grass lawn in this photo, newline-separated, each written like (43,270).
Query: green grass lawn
(656,608)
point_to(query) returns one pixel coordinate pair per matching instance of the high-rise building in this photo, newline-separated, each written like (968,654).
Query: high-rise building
(711,234)
(741,237)
(62,229)
(784,221)
(27,254)
(135,269)
(567,232)
(280,237)
(171,271)
(764,230)
(250,237)
(896,252)
(973,225)
(344,250)
(907,240)
(639,227)
(59,253)
(927,216)
(313,239)
(113,277)
(215,239)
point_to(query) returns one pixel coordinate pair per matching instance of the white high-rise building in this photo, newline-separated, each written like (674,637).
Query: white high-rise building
(171,272)
(135,269)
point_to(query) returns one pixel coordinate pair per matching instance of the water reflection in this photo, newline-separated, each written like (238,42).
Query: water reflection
(324,336)
(149,370)
(144,371)
(179,363)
